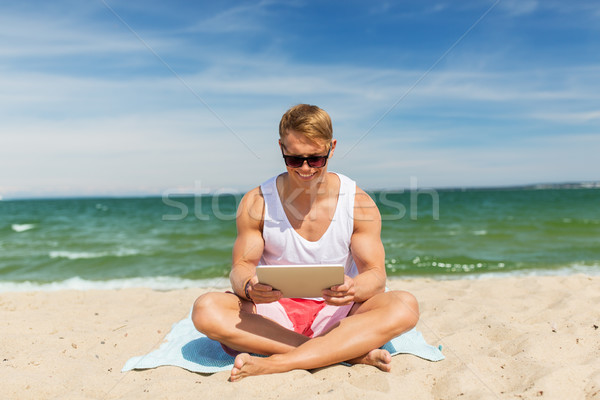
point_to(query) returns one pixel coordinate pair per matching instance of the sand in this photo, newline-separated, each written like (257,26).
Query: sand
(503,338)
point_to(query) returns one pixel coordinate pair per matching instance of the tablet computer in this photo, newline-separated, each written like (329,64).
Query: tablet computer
(301,280)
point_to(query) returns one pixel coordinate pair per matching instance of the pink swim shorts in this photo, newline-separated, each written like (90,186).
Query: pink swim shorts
(305,316)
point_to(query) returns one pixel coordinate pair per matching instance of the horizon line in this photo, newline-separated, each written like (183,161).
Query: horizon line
(586,184)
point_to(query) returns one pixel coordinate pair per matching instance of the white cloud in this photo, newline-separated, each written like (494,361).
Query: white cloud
(471,121)
(231,20)
(519,7)
(149,134)
(39,36)
(569,117)
(248,17)
(527,160)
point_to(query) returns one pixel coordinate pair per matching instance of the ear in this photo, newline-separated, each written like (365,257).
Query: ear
(333,143)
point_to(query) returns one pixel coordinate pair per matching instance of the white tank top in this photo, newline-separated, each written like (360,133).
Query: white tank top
(283,245)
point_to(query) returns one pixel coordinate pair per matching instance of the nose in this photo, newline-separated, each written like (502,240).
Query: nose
(305,162)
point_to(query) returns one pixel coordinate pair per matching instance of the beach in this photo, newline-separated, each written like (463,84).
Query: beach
(527,337)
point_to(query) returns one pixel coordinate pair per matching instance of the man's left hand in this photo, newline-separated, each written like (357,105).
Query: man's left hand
(340,295)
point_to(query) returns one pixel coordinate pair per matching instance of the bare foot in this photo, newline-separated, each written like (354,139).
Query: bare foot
(379,358)
(246,365)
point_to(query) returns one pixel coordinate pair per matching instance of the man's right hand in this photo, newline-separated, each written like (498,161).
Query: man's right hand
(261,293)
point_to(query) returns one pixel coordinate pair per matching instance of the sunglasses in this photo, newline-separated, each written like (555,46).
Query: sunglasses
(313,161)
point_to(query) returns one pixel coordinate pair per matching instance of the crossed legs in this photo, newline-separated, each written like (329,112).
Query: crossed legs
(356,339)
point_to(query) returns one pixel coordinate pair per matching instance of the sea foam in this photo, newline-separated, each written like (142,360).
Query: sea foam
(571,269)
(77,255)
(22,227)
(77,283)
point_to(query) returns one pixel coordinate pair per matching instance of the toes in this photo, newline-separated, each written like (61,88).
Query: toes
(238,364)
(381,359)
(240,360)
(386,361)
(387,357)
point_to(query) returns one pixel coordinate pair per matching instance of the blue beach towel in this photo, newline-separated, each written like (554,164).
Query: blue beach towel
(187,348)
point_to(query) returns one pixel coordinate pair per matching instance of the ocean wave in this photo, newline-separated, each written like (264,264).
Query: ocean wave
(572,269)
(22,227)
(77,255)
(77,283)
(175,283)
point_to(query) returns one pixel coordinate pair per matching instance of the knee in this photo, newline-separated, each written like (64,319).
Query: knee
(406,310)
(204,313)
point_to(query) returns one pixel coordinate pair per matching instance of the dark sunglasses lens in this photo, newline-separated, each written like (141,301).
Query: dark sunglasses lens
(317,162)
(293,162)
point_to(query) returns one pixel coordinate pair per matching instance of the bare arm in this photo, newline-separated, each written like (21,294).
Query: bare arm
(248,248)
(249,244)
(368,253)
(367,248)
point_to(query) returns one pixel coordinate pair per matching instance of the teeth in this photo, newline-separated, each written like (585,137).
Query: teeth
(305,176)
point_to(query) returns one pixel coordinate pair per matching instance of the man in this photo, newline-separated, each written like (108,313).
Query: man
(307,216)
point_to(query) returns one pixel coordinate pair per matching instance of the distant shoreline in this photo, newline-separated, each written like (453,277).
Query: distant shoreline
(533,186)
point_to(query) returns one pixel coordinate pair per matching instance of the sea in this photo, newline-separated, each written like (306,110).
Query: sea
(171,242)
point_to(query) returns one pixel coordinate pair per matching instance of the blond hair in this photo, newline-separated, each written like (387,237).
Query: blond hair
(309,120)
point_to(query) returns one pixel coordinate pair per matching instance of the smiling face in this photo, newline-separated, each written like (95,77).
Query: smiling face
(297,144)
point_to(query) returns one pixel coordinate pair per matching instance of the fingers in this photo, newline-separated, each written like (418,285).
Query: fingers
(338,300)
(261,287)
(342,290)
(260,293)
(335,291)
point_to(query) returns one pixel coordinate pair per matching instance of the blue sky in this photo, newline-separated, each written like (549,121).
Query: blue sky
(144,97)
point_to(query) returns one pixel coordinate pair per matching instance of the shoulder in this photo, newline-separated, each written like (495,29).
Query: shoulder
(363,197)
(253,196)
(252,206)
(365,209)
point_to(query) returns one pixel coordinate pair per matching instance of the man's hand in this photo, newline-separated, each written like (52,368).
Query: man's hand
(261,293)
(340,295)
